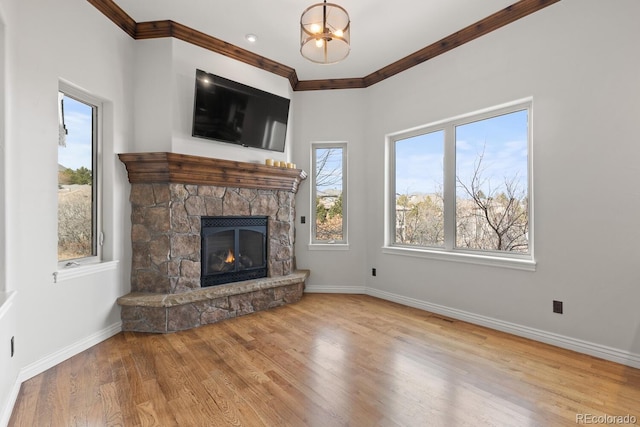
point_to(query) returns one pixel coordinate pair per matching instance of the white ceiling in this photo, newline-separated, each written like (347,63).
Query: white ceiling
(382,32)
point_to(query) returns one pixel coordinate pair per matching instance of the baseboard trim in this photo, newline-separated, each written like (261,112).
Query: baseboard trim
(604,352)
(335,289)
(50,361)
(11,401)
(65,353)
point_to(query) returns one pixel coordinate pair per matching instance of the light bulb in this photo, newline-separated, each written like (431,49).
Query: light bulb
(338,33)
(315,28)
(319,42)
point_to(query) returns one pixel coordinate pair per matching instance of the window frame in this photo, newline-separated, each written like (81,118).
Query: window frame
(97,105)
(449,252)
(343,244)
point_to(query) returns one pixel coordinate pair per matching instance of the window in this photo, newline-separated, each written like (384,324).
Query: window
(78,178)
(419,198)
(460,188)
(329,193)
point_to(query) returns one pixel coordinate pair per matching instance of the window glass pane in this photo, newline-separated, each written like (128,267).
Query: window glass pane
(492,184)
(76,230)
(419,190)
(329,180)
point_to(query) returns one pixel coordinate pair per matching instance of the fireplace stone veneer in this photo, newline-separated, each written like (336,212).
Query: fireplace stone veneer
(169,195)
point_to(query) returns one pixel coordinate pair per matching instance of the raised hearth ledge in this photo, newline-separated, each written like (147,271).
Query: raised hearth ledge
(164,313)
(141,299)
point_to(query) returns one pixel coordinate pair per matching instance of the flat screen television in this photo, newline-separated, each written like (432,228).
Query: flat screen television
(229,111)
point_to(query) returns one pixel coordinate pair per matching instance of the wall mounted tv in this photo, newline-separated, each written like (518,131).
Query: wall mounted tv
(229,111)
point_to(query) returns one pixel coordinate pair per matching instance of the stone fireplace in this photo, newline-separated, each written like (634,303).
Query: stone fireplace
(171,196)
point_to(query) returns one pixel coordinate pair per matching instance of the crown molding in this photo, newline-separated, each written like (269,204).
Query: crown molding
(491,23)
(161,29)
(167,28)
(116,15)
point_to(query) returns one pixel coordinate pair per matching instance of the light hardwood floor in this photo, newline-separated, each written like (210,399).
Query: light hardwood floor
(328,360)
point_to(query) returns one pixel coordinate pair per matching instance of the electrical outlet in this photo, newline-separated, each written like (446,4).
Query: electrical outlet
(13,346)
(557,307)
(303,219)
(373,272)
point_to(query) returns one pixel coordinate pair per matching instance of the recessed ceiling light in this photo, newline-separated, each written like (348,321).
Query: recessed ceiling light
(251,38)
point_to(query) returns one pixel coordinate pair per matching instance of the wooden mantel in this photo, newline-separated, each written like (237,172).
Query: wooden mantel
(162,167)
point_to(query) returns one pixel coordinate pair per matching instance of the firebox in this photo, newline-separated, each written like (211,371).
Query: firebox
(234,248)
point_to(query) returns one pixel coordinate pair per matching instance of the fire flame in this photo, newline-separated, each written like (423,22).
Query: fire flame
(230,257)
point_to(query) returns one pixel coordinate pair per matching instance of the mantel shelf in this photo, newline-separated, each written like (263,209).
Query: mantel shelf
(162,167)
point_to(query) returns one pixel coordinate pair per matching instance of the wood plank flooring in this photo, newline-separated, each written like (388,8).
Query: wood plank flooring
(328,360)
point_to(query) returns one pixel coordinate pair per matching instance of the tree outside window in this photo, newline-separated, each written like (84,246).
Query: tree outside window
(492,200)
(329,193)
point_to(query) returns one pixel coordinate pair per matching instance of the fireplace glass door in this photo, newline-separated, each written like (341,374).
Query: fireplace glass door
(233,249)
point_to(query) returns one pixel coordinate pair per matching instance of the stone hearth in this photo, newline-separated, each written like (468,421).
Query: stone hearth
(169,194)
(155,312)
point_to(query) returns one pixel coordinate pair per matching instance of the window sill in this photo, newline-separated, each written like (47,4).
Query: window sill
(83,270)
(467,258)
(328,246)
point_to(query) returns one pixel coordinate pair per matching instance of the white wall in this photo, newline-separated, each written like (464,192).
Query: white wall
(47,42)
(8,313)
(577,60)
(165,83)
(152,95)
(3,137)
(333,116)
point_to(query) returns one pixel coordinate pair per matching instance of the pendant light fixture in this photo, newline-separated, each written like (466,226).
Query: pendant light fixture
(325,33)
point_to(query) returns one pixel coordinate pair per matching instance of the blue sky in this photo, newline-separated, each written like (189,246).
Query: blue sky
(332,171)
(419,163)
(78,119)
(503,139)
